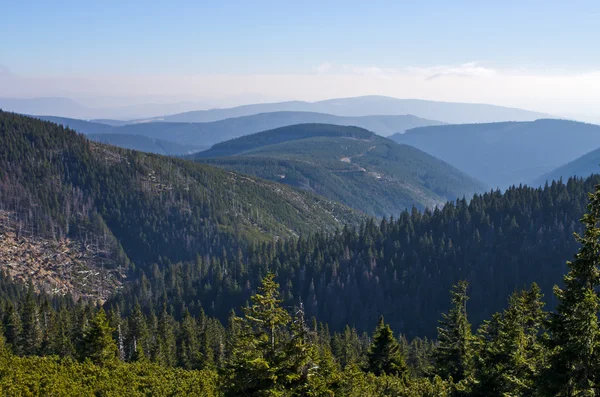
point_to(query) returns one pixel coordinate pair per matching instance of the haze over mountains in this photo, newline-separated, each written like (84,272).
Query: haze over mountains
(347,164)
(198,136)
(581,167)
(70,108)
(501,154)
(448,112)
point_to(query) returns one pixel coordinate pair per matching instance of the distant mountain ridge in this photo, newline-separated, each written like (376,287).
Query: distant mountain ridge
(501,154)
(145,144)
(582,167)
(203,135)
(347,164)
(448,112)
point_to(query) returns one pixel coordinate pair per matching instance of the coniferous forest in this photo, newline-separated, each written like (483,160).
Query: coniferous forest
(226,285)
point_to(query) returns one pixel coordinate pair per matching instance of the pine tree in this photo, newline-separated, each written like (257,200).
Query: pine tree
(574,329)
(32,330)
(13,329)
(98,344)
(347,347)
(61,343)
(167,343)
(267,359)
(385,355)
(454,352)
(190,356)
(510,354)
(137,336)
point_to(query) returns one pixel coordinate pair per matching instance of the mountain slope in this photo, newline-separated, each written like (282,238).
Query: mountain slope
(449,112)
(501,154)
(583,166)
(346,164)
(140,207)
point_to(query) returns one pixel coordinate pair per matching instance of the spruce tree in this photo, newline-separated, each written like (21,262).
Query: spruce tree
(574,329)
(385,355)
(98,344)
(266,358)
(190,356)
(454,352)
(510,354)
(32,330)
(13,329)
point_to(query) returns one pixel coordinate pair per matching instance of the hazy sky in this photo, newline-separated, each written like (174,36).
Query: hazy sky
(541,55)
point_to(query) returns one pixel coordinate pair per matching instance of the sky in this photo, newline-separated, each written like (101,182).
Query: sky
(538,55)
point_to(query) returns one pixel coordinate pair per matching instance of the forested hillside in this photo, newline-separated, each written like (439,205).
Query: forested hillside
(348,164)
(130,206)
(401,268)
(502,154)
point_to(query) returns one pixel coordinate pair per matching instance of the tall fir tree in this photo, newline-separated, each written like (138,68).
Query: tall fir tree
(510,354)
(98,344)
(385,355)
(13,329)
(267,359)
(32,330)
(574,329)
(454,352)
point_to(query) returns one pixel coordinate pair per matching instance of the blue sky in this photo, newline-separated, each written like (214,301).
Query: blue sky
(286,36)
(62,47)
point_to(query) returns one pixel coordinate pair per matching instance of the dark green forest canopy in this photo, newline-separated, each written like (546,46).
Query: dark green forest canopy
(401,268)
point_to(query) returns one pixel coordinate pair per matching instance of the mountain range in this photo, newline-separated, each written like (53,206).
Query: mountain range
(347,164)
(501,154)
(448,112)
(187,137)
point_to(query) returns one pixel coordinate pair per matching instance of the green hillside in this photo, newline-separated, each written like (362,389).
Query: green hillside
(346,164)
(144,208)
